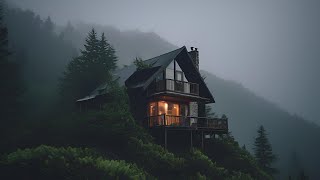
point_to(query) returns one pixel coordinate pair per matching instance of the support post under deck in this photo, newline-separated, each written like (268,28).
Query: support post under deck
(202,144)
(191,139)
(165,138)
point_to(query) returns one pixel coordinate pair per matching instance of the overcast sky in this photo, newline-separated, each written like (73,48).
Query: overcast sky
(271,47)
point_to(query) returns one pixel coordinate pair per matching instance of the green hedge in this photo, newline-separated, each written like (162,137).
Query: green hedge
(45,162)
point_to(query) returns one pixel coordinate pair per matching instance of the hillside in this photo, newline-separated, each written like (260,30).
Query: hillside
(45,55)
(246,111)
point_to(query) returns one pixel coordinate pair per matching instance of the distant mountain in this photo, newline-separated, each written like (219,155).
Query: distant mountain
(128,44)
(288,134)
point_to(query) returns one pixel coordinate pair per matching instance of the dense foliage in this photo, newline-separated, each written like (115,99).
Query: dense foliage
(11,85)
(45,162)
(228,154)
(87,71)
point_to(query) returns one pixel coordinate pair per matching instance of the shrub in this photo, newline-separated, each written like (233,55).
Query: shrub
(155,159)
(45,162)
(197,162)
(227,153)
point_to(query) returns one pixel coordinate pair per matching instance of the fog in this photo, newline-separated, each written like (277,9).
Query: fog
(271,47)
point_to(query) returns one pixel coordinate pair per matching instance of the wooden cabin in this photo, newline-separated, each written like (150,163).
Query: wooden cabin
(168,95)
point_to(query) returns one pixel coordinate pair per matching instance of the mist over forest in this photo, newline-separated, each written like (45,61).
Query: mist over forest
(270,47)
(279,93)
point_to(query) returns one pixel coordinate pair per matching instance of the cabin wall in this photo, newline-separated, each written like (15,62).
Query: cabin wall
(201,109)
(193,109)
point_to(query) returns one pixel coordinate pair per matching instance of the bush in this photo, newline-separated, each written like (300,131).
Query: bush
(155,159)
(45,162)
(240,176)
(197,162)
(227,153)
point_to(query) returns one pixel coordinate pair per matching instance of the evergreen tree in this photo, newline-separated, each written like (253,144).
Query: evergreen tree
(140,64)
(263,151)
(48,25)
(209,112)
(107,54)
(10,90)
(93,67)
(244,147)
(11,85)
(4,53)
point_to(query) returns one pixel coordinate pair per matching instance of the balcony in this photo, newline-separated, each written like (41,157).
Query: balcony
(170,85)
(213,124)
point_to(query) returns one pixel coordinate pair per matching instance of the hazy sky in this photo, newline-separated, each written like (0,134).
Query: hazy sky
(271,47)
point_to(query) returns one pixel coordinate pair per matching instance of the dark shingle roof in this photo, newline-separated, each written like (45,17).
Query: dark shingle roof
(123,74)
(138,78)
(130,77)
(158,64)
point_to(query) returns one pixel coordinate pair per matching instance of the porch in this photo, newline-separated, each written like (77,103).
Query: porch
(188,122)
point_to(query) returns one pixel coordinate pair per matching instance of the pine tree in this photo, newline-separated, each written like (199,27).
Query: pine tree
(48,25)
(140,64)
(11,87)
(93,67)
(4,53)
(263,151)
(107,54)
(209,112)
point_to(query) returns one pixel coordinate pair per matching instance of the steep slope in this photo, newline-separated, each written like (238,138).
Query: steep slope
(46,56)
(288,133)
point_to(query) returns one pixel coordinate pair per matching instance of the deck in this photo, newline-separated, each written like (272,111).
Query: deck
(188,123)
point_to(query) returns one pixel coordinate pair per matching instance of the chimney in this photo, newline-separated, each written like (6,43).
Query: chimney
(194,53)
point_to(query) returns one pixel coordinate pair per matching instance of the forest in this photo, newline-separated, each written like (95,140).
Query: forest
(45,68)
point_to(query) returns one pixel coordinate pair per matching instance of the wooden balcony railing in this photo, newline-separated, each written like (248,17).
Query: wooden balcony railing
(174,86)
(188,121)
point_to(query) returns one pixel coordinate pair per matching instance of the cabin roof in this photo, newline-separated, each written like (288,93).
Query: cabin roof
(130,77)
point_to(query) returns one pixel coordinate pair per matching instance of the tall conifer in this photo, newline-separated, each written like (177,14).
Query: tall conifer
(263,151)
(93,67)
(11,85)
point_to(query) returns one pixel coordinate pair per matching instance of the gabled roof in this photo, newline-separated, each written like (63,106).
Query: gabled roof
(158,64)
(132,78)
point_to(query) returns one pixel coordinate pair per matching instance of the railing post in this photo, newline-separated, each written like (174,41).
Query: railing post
(191,139)
(165,138)
(165,84)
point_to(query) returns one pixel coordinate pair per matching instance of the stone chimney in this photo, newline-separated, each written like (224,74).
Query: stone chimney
(194,53)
